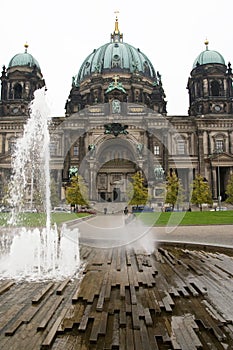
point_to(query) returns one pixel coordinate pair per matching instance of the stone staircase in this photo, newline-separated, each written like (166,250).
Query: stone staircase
(112,207)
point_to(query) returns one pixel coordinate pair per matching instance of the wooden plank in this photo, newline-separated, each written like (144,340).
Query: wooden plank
(6,286)
(122,290)
(100,302)
(191,325)
(75,296)
(118,260)
(135,317)
(132,276)
(115,332)
(213,312)
(133,294)
(67,322)
(183,332)
(90,286)
(146,345)
(152,339)
(62,286)
(51,335)
(108,287)
(12,329)
(154,297)
(84,320)
(168,302)
(148,319)
(139,259)
(129,334)
(137,339)
(173,291)
(9,315)
(128,257)
(122,314)
(37,298)
(50,312)
(95,328)
(109,256)
(103,323)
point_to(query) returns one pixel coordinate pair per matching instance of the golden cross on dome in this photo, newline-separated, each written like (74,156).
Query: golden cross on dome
(116,12)
(116,31)
(26,47)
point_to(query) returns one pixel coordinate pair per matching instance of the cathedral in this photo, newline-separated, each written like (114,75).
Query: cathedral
(116,123)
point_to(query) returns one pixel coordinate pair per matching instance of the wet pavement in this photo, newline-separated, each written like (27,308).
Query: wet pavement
(114,228)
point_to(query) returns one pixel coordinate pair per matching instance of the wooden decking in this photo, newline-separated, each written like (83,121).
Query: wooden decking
(173,298)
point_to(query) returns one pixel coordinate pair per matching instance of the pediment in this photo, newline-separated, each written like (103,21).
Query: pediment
(222,158)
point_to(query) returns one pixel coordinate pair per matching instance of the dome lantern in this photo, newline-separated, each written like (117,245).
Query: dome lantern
(116,36)
(24,59)
(208,57)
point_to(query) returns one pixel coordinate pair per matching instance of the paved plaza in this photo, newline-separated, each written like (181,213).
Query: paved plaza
(136,289)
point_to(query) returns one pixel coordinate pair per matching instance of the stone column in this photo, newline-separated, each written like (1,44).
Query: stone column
(230,150)
(201,163)
(59,182)
(3,143)
(190,181)
(214,184)
(165,151)
(92,181)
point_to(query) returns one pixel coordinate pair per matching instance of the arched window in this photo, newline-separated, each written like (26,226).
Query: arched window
(219,143)
(215,88)
(181,147)
(156,150)
(75,150)
(17,91)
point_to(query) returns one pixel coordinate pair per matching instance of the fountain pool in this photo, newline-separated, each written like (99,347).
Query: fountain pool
(39,253)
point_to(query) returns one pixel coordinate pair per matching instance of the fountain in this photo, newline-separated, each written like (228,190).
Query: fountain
(35,254)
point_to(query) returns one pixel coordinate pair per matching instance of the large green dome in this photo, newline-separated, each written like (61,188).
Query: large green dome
(116,55)
(24,59)
(208,56)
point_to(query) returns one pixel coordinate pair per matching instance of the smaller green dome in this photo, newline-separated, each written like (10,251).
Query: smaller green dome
(208,57)
(23,59)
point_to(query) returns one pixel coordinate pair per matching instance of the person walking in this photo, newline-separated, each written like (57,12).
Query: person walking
(126,211)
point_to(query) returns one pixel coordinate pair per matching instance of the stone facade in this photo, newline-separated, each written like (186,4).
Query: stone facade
(116,123)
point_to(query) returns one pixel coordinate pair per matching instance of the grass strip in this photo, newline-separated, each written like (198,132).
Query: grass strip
(39,219)
(187,218)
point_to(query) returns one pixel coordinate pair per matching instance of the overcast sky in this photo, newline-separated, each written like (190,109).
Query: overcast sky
(61,34)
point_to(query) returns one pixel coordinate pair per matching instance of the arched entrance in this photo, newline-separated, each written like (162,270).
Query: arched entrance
(116,164)
(113,178)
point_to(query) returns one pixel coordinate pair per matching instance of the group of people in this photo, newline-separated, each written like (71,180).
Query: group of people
(126,211)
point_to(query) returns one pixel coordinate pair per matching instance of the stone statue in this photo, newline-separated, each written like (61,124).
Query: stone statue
(73,171)
(159,173)
(116,106)
(91,148)
(140,148)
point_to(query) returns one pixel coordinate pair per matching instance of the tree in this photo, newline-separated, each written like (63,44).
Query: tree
(201,192)
(137,192)
(76,192)
(174,190)
(229,190)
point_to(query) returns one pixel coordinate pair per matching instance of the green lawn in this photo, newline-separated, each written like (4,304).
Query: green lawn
(39,219)
(187,218)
